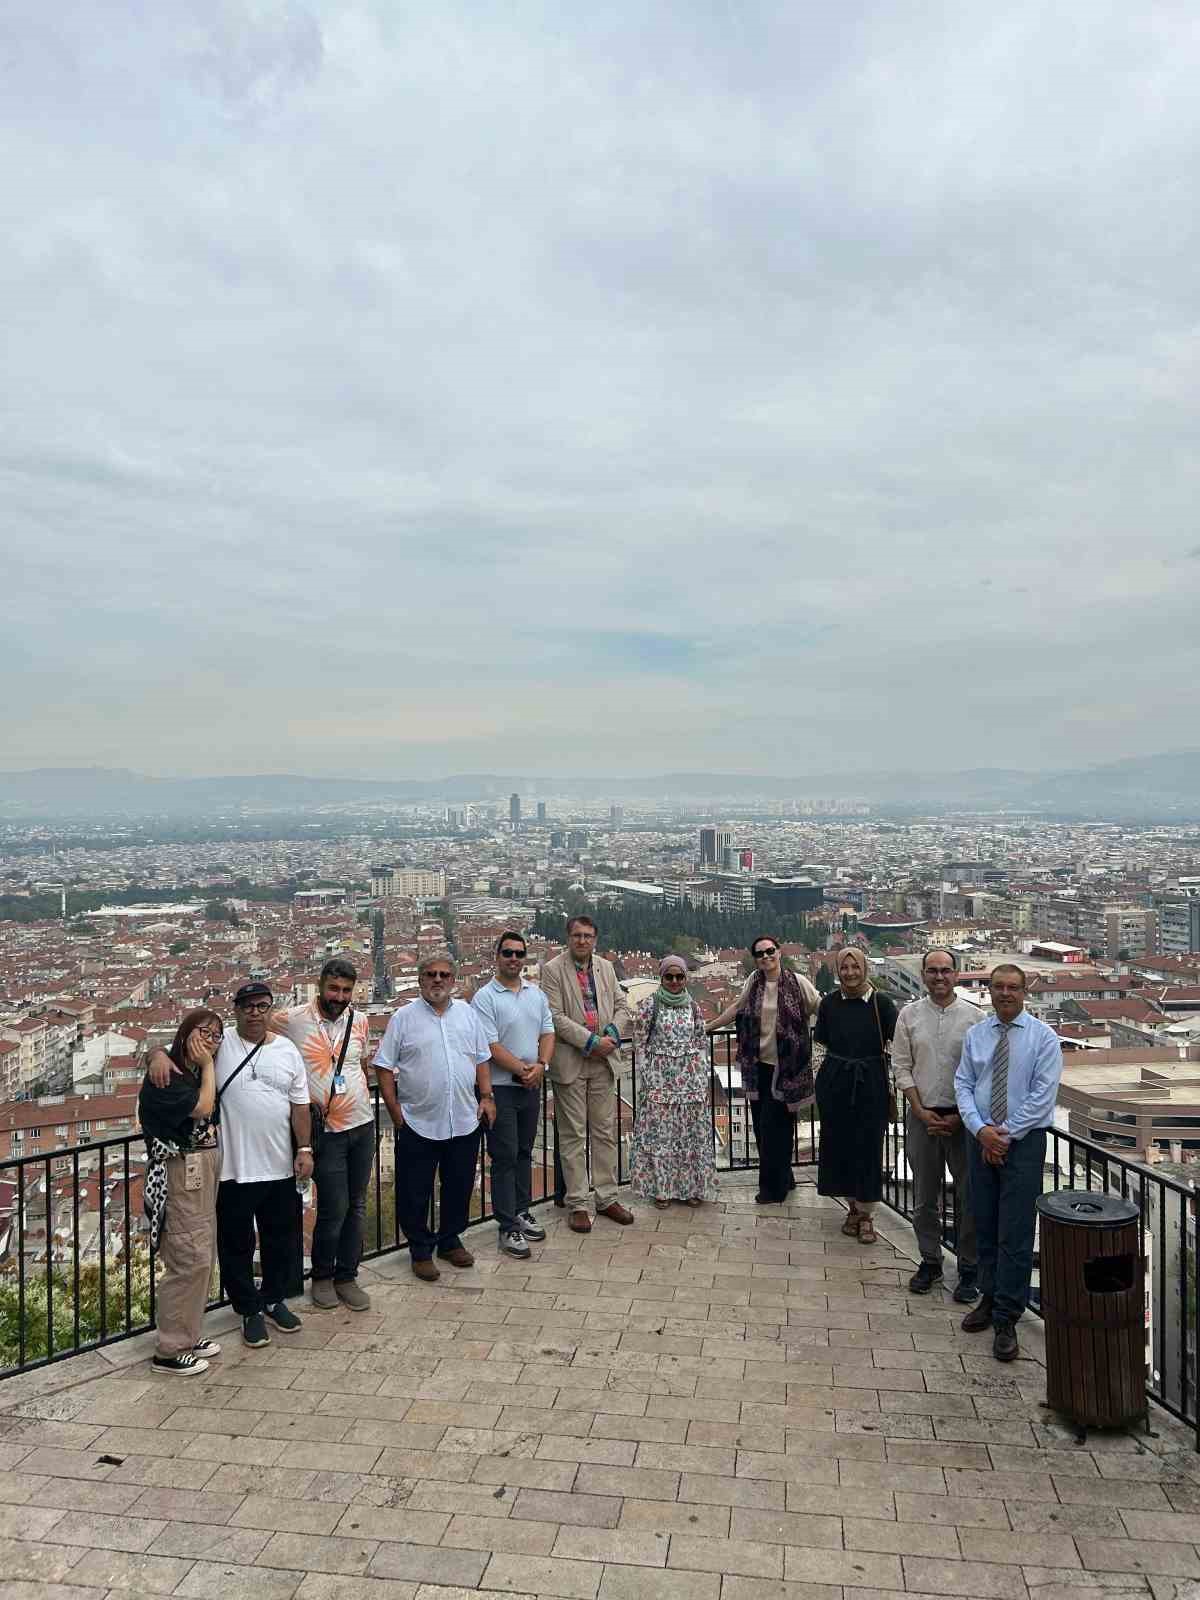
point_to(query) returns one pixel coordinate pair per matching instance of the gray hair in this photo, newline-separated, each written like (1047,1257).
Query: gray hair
(438,955)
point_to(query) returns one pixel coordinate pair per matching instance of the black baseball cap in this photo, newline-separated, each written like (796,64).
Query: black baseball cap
(252,991)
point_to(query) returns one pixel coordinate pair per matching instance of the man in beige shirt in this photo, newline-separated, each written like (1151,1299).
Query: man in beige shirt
(925,1055)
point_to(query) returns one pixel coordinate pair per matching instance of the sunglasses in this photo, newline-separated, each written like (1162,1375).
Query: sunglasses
(437,977)
(513,954)
(673,977)
(761,955)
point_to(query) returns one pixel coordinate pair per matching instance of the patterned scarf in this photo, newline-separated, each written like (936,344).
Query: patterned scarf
(792,1081)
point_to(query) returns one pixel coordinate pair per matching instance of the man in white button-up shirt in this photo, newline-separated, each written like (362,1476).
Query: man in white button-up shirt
(436,1083)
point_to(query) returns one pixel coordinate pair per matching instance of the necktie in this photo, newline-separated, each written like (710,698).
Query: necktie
(1000,1077)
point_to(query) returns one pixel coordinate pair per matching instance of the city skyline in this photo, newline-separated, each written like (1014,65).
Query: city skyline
(499,389)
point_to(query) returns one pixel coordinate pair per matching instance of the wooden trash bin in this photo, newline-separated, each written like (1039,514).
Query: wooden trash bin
(1093,1307)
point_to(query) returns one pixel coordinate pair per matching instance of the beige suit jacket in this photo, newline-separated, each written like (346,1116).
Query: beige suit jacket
(561,988)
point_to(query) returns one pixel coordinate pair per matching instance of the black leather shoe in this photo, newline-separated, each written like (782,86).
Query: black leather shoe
(979,1319)
(1004,1342)
(924,1278)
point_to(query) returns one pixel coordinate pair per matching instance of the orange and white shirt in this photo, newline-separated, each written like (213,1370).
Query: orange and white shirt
(319,1043)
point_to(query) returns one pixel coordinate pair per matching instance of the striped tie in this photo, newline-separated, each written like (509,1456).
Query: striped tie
(1000,1076)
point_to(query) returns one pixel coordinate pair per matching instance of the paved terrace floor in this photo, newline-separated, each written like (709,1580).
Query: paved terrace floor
(734,1404)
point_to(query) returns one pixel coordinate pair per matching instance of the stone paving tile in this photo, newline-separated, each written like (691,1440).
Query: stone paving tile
(736,1406)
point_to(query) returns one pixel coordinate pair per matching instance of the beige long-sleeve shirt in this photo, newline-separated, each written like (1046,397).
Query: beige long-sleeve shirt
(927,1047)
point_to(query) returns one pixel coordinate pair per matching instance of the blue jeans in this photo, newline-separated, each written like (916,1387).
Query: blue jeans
(342,1174)
(1004,1201)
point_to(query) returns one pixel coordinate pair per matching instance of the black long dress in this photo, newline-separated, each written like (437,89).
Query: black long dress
(853,1094)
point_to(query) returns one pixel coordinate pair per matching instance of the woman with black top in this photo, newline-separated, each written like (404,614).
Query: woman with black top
(855,1024)
(183,1171)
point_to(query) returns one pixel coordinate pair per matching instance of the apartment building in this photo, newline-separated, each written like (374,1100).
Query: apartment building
(413,883)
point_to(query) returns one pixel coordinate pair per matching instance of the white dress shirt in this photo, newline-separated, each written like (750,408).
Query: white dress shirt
(433,1057)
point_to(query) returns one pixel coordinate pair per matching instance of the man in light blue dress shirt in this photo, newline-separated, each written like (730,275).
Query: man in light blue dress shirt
(516,1019)
(433,1068)
(1006,1088)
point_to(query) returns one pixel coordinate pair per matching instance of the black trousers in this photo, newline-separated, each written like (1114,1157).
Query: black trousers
(510,1145)
(418,1162)
(342,1174)
(275,1208)
(774,1134)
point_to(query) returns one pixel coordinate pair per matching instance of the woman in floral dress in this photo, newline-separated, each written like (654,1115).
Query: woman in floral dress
(672,1155)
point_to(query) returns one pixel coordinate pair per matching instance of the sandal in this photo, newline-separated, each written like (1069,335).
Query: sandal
(662,1205)
(850,1226)
(866,1232)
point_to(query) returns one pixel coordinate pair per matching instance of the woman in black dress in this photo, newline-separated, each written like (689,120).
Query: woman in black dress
(855,1024)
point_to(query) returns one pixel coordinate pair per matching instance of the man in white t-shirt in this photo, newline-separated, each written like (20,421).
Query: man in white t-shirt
(263,1096)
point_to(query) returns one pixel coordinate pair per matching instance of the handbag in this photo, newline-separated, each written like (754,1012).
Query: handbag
(885,1051)
(316,1114)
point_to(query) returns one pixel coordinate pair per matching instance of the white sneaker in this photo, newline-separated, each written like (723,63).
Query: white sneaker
(513,1244)
(530,1226)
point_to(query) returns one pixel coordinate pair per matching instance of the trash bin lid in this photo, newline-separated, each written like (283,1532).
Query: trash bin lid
(1085,1208)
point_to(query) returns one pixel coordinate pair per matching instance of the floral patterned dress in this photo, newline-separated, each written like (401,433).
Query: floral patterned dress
(672,1156)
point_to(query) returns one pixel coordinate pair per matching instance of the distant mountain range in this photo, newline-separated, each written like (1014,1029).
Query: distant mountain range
(1162,787)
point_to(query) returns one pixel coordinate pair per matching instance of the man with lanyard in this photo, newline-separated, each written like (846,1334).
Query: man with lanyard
(925,1055)
(1007,1087)
(332,1038)
(262,1103)
(518,1025)
(588,1006)
(433,1067)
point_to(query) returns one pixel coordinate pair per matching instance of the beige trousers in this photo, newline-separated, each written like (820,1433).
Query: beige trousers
(187,1253)
(590,1103)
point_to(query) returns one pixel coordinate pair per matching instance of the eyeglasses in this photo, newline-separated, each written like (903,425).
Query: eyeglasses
(255,1006)
(437,977)
(939,972)
(511,955)
(674,977)
(762,955)
(213,1035)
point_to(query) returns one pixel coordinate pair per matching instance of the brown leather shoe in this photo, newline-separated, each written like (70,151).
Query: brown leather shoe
(616,1213)
(579,1222)
(426,1271)
(458,1257)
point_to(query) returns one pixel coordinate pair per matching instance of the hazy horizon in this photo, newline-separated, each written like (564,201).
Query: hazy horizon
(527,390)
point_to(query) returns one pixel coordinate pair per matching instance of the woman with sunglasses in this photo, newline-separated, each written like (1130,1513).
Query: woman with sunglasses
(854,1092)
(672,1156)
(772,1016)
(183,1170)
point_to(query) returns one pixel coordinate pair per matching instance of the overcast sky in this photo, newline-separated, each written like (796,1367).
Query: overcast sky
(400,390)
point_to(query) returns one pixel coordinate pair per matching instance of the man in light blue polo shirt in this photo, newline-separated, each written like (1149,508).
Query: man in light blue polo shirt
(1006,1087)
(517,1024)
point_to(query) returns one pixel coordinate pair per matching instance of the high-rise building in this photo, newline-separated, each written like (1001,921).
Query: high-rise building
(616,814)
(514,812)
(1179,926)
(414,883)
(713,844)
(746,860)
(541,811)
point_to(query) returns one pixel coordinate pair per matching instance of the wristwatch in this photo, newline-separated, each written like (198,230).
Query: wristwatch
(304,1150)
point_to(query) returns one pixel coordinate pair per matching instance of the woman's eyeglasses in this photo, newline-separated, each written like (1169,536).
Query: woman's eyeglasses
(765,955)
(674,977)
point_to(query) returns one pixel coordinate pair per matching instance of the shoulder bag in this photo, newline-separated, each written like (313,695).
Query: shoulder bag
(317,1114)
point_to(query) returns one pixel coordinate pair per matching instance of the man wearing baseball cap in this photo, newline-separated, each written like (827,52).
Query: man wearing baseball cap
(262,1087)
(262,1101)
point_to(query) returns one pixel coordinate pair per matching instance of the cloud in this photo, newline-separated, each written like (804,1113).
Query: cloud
(360,358)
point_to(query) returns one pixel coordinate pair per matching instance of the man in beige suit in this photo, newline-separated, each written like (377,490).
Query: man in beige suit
(589,1013)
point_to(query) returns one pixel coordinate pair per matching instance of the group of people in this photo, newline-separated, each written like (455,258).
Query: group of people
(238,1118)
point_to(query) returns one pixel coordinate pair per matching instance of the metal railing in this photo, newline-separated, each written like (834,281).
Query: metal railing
(77,1271)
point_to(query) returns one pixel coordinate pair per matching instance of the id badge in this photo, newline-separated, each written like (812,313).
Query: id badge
(192,1175)
(339,1084)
